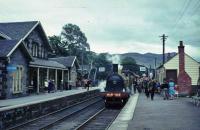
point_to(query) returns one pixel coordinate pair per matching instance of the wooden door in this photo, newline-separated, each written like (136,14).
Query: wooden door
(171,74)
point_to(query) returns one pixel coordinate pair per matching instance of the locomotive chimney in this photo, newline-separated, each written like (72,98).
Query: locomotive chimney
(115,68)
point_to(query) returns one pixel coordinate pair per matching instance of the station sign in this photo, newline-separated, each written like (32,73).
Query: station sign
(142,68)
(102,69)
(11,68)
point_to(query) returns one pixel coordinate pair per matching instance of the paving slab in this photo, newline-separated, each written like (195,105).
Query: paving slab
(159,114)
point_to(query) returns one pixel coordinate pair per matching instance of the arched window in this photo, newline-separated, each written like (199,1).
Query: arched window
(42,52)
(35,49)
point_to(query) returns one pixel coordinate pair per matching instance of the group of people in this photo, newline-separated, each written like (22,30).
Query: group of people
(168,89)
(150,86)
(146,85)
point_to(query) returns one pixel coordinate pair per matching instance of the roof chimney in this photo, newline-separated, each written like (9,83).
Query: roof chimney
(184,80)
(181,57)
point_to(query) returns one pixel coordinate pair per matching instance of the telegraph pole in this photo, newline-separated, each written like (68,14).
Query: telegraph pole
(163,38)
(155,67)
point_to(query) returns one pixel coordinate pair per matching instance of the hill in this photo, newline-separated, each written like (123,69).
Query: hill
(147,59)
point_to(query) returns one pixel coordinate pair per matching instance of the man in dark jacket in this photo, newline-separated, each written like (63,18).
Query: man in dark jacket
(152,88)
(165,90)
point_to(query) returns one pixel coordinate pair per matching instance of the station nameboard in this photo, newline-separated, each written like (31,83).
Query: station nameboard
(102,69)
(142,68)
(11,68)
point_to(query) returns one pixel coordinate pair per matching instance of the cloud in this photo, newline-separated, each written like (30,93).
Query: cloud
(123,25)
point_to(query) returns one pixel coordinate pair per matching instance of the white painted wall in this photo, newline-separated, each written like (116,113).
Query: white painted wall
(191,67)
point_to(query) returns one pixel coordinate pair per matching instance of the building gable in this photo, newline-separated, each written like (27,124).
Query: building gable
(38,35)
(28,32)
(191,67)
(172,63)
(37,43)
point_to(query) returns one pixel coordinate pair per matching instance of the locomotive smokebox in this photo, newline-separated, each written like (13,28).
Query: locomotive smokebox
(115,68)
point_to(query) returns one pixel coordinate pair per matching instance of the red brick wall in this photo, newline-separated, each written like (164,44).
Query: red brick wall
(184,80)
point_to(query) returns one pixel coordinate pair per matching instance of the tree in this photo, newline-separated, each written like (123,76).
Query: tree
(130,64)
(74,39)
(128,61)
(101,60)
(55,42)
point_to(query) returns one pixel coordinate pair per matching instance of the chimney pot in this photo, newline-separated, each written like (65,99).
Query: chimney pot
(181,43)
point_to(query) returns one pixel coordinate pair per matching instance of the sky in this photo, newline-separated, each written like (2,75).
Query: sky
(116,26)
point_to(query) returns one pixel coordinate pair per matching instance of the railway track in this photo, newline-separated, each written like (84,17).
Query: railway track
(49,120)
(100,121)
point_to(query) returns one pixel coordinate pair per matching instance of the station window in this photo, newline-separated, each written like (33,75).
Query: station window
(32,48)
(17,79)
(36,50)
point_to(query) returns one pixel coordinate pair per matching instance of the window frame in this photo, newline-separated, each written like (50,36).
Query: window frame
(18,80)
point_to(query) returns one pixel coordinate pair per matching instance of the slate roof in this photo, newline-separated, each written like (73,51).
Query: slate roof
(6,46)
(17,30)
(67,61)
(46,63)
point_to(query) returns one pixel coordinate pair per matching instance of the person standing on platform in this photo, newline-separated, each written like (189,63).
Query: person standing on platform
(88,84)
(50,86)
(146,87)
(171,89)
(152,87)
(135,84)
(61,85)
(165,90)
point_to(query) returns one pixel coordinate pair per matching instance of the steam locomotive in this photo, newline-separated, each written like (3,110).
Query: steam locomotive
(115,91)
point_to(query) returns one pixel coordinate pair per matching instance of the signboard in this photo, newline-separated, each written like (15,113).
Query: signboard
(102,69)
(142,68)
(11,68)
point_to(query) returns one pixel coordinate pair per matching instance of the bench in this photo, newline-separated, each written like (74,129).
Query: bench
(196,100)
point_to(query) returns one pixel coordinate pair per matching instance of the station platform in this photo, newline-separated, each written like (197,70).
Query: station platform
(22,109)
(141,113)
(39,98)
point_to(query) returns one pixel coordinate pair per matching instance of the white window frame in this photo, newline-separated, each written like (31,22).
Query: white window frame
(36,50)
(17,79)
